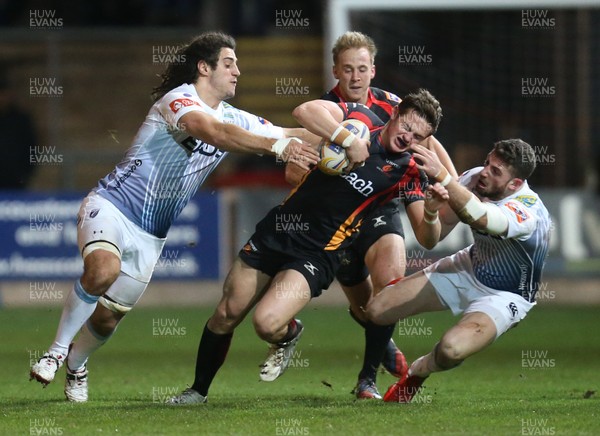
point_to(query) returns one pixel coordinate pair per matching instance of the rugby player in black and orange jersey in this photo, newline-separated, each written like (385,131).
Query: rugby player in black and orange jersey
(377,256)
(294,252)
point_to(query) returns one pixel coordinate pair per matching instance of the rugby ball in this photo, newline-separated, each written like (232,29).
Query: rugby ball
(333,156)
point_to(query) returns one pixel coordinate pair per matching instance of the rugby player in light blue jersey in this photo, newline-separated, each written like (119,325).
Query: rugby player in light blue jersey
(123,222)
(492,282)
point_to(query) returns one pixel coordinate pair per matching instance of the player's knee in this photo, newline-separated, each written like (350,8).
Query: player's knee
(457,344)
(448,351)
(225,318)
(266,325)
(100,273)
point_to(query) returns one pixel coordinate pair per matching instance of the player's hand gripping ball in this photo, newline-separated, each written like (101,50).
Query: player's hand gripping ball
(333,156)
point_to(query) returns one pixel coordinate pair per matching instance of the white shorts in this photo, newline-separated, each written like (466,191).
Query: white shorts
(456,286)
(100,220)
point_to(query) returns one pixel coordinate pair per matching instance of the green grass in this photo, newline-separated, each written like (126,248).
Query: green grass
(492,393)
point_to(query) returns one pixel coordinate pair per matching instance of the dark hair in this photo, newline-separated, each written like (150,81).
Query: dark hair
(425,105)
(517,154)
(205,47)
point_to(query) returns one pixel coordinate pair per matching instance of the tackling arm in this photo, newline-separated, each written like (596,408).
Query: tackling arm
(293,172)
(230,137)
(486,217)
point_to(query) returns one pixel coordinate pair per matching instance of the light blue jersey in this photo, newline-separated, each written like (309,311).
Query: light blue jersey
(164,167)
(513,262)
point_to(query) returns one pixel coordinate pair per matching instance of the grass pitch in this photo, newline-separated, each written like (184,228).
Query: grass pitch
(541,378)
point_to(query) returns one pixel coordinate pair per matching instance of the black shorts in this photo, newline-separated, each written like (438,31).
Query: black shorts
(382,221)
(271,254)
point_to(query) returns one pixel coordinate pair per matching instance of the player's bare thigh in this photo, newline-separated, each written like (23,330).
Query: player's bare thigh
(386,260)
(243,287)
(410,296)
(286,296)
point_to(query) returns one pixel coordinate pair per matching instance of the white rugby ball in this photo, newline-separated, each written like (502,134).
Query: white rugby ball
(333,156)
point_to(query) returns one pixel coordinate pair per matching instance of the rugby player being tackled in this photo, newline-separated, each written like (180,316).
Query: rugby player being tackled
(332,210)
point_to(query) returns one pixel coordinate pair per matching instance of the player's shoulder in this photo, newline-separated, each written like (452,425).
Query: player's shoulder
(529,200)
(386,96)
(181,96)
(184,90)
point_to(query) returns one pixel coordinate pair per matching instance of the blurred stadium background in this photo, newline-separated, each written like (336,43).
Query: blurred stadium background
(79,75)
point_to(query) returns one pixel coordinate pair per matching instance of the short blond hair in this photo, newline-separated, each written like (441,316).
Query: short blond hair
(353,40)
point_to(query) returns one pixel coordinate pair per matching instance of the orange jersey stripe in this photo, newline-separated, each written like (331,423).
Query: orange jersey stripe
(344,231)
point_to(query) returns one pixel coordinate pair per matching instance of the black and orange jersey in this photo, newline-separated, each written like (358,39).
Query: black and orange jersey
(380,102)
(324,212)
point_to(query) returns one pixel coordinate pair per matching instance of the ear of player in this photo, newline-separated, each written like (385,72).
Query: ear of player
(333,156)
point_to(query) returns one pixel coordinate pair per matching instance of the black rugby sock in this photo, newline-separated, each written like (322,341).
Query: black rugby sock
(359,321)
(377,338)
(212,351)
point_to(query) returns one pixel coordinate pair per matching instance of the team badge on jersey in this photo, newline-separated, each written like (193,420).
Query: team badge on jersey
(250,247)
(175,105)
(527,200)
(263,121)
(518,210)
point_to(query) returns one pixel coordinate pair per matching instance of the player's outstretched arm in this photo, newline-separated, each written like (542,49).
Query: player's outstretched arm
(293,172)
(482,216)
(230,137)
(304,134)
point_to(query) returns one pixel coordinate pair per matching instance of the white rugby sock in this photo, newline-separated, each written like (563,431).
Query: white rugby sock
(79,306)
(87,342)
(424,366)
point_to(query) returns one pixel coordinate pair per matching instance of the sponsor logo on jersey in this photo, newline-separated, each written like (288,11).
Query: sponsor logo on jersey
(379,221)
(512,308)
(519,212)
(311,268)
(362,186)
(175,105)
(527,200)
(134,166)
